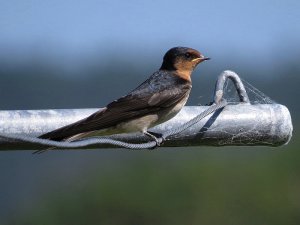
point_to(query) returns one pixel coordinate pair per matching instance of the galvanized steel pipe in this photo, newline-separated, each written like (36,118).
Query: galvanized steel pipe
(241,124)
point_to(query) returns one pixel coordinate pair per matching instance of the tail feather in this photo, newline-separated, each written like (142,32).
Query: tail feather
(70,139)
(55,135)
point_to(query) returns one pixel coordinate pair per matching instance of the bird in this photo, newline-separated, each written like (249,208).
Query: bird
(156,100)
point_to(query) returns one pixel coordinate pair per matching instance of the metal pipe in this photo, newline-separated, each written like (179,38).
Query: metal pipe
(242,124)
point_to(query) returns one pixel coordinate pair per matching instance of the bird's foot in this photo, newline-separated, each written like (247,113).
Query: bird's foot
(157,137)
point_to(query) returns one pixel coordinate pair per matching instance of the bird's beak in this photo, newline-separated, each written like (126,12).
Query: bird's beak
(200,59)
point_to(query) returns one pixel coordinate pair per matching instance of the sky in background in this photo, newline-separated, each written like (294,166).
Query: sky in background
(79,29)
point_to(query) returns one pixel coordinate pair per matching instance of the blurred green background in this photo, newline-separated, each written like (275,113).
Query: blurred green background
(83,54)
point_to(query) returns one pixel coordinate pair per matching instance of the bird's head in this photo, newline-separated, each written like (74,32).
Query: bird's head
(182,60)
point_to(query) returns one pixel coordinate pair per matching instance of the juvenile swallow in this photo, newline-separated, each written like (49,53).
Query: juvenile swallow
(155,101)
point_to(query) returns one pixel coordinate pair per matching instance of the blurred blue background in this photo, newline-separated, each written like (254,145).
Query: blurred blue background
(81,54)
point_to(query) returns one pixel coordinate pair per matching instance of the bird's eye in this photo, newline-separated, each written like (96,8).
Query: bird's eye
(187,55)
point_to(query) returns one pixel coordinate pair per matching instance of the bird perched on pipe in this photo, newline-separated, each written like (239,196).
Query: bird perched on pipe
(155,101)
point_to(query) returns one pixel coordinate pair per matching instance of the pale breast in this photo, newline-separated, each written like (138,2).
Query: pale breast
(172,111)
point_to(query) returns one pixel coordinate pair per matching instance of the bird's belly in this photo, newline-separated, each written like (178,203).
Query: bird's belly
(136,125)
(171,112)
(139,124)
(148,121)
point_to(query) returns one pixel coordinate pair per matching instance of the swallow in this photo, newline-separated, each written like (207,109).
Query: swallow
(153,102)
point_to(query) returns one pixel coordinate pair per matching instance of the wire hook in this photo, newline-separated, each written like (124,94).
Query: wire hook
(219,87)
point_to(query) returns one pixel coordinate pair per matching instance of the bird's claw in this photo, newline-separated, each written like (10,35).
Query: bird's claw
(157,137)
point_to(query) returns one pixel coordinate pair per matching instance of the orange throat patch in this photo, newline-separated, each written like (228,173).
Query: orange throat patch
(184,74)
